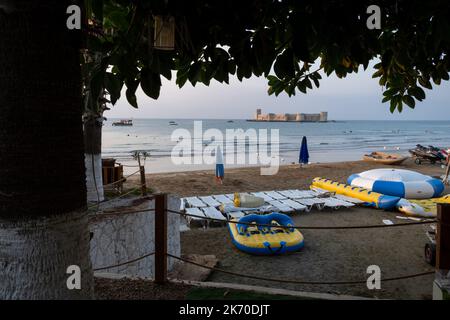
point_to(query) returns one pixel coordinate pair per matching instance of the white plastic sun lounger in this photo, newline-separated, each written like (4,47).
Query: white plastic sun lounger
(195,202)
(236,214)
(336,203)
(211,212)
(210,201)
(263,195)
(281,206)
(301,194)
(348,199)
(311,202)
(293,204)
(275,195)
(196,212)
(223,199)
(287,193)
(230,196)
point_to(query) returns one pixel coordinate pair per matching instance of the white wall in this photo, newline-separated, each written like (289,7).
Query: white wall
(129,236)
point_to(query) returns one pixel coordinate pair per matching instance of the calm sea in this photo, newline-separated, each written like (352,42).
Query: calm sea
(327,142)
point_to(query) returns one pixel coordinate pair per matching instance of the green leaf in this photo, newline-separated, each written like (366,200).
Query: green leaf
(162,63)
(131,97)
(150,83)
(417,92)
(409,101)
(302,87)
(114,86)
(194,73)
(425,83)
(284,65)
(390,92)
(378,73)
(308,83)
(393,105)
(316,82)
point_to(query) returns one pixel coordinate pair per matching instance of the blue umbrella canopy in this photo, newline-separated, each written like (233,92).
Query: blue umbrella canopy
(304,154)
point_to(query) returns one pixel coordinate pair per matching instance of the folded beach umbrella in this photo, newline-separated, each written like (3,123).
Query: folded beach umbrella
(220,170)
(304,155)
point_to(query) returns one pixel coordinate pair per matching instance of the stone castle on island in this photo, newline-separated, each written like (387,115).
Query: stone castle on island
(295,117)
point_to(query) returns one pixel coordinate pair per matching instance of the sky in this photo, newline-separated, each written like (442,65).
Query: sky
(357,97)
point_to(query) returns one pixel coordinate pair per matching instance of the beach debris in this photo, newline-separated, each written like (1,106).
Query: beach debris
(388,222)
(408,218)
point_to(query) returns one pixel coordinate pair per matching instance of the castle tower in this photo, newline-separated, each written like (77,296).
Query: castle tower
(323,116)
(258,113)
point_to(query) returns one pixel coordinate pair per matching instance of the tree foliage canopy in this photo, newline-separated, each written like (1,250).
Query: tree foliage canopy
(291,43)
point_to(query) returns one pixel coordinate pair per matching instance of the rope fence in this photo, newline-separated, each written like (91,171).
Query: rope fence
(293,281)
(306,227)
(125,263)
(161,255)
(122,180)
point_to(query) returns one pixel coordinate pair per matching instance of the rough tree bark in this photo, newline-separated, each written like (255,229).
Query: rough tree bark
(93,159)
(43,225)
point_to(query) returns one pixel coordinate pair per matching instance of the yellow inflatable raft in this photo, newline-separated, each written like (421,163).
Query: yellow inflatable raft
(265,240)
(370,198)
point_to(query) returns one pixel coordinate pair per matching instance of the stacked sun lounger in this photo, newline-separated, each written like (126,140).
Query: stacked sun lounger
(205,208)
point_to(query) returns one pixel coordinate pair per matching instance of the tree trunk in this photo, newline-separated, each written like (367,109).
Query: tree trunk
(43,224)
(93,159)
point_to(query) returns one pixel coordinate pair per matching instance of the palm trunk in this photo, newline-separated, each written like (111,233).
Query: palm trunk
(43,225)
(93,159)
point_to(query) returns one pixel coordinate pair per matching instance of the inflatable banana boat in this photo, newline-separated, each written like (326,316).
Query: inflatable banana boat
(265,240)
(421,208)
(414,208)
(370,198)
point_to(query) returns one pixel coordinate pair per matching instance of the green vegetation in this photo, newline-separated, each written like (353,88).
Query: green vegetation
(291,43)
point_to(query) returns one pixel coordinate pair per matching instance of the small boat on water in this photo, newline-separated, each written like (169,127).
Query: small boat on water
(384,158)
(123,122)
(172,123)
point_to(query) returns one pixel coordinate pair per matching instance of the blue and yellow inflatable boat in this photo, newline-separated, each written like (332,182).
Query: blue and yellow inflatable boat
(266,240)
(370,198)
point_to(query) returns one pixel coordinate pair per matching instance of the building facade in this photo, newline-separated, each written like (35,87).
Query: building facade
(297,117)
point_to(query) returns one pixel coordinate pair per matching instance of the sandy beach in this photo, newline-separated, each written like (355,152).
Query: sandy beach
(329,255)
(195,183)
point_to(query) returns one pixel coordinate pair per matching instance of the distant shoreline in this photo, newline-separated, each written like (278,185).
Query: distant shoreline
(254,120)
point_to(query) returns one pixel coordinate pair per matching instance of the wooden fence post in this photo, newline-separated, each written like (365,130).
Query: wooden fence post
(143,182)
(441,283)
(161,238)
(142,172)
